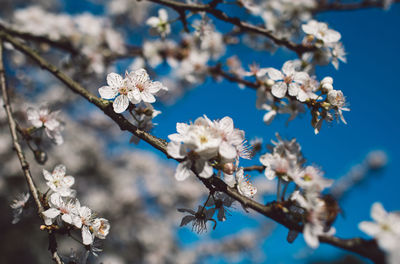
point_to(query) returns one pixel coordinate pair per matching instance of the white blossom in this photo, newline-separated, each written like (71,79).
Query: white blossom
(287,80)
(143,89)
(42,117)
(385,229)
(244,186)
(120,89)
(58,181)
(67,209)
(160,23)
(321,31)
(101,227)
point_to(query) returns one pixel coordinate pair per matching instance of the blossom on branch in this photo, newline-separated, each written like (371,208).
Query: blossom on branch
(160,23)
(203,141)
(135,88)
(43,118)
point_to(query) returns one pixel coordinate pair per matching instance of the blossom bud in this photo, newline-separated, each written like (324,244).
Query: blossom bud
(269,82)
(326,83)
(40,156)
(228,168)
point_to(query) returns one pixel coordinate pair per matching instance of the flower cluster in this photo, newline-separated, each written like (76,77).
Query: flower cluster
(160,23)
(64,208)
(205,143)
(136,87)
(327,41)
(294,84)
(287,163)
(386,231)
(284,161)
(43,118)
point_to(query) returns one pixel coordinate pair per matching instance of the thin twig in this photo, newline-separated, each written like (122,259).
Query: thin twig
(325,6)
(17,147)
(244,26)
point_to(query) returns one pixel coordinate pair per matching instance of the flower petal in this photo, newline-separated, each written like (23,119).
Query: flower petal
(120,104)
(279,89)
(108,92)
(114,80)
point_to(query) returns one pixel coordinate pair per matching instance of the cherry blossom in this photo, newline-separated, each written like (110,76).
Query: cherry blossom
(160,23)
(58,181)
(42,117)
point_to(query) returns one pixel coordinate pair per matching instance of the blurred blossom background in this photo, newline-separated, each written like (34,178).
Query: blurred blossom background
(133,185)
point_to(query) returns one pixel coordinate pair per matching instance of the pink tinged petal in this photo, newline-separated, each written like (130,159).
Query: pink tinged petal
(274,74)
(288,68)
(175,150)
(120,104)
(378,213)
(139,76)
(108,92)
(68,181)
(37,123)
(294,89)
(369,228)
(51,213)
(236,137)
(115,80)
(227,151)
(52,124)
(87,237)
(182,128)
(59,171)
(43,111)
(310,238)
(279,89)
(148,97)
(183,171)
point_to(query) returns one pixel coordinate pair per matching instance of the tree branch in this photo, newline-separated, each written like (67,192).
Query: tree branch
(17,147)
(366,248)
(244,26)
(325,6)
